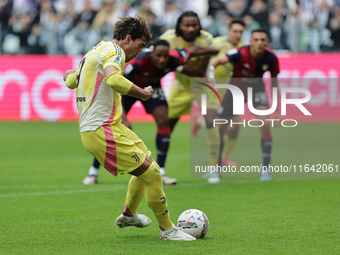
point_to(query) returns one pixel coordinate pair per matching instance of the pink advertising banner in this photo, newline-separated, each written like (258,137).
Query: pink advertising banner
(32,88)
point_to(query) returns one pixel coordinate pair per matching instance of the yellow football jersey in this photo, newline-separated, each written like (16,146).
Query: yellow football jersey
(98,103)
(177,42)
(221,42)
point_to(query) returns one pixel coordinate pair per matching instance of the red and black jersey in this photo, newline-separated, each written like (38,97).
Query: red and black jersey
(245,66)
(142,73)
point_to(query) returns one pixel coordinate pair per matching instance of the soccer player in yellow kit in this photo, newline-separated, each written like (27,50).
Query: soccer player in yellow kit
(100,82)
(225,71)
(189,32)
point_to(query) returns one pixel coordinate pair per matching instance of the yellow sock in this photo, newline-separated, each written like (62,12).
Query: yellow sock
(213,141)
(155,196)
(134,195)
(228,146)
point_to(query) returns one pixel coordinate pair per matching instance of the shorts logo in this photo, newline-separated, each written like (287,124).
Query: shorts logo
(135,157)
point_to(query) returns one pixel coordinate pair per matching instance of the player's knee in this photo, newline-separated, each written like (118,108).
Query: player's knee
(163,121)
(152,175)
(265,127)
(266,135)
(233,131)
(210,117)
(209,121)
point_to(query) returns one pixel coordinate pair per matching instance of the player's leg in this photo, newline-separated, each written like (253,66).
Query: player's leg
(158,107)
(266,144)
(146,180)
(150,175)
(228,140)
(173,122)
(213,142)
(260,103)
(92,176)
(228,133)
(160,114)
(197,121)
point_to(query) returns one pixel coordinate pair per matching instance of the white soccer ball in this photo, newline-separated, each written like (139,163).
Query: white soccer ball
(193,222)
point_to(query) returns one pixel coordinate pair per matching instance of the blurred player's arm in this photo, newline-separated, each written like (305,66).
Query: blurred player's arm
(220,60)
(203,50)
(118,82)
(198,71)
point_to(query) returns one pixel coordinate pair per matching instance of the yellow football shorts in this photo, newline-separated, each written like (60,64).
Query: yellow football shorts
(116,147)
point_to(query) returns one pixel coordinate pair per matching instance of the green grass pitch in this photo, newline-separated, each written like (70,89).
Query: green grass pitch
(46,210)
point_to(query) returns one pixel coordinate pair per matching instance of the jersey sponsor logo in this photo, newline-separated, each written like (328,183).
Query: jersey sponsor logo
(265,67)
(117,60)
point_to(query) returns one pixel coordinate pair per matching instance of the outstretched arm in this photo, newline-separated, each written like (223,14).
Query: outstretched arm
(118,82)
(199,70)
(203,50)
(220,60)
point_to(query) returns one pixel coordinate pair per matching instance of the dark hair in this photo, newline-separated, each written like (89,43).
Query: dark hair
(237,21)
(259,30)
(136,27)
(187,14)
(161,42)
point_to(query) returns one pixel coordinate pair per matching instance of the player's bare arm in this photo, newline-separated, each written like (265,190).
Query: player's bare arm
(220,60)
(199,70)
(203,50)
(114,79)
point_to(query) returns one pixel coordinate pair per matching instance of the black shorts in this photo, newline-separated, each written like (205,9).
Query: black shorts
(259,98)
(157,99)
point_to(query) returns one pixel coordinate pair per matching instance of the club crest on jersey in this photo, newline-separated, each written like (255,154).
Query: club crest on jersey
(117,60)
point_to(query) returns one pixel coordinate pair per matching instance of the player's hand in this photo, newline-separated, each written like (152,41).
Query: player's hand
(217,50)
(278,117)
(148,92)
(211,72)
(67,73)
